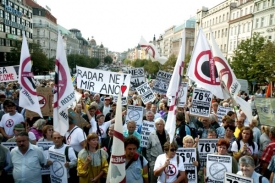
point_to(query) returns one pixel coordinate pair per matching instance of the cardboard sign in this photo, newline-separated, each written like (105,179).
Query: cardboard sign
(206,146)
(162,81)
(266,110)
(58,169)
(183,94)
(134,113)
(189,155)
(124,100)
(45,148)
(9,73)
(146,129)
(137,77)
(201,102)
(221,112)
(104,82)
(79,120)
(216,167)
(146,93)
(234,178)
(45,97)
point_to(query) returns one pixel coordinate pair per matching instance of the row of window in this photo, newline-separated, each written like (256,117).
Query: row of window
(18,8)
(242,12)
(215,20)
(16,19)
(264,4)
(240,29)
(261,22)
(7,42)
(217,34)
(14,31)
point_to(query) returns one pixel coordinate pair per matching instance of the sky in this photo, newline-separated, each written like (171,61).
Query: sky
(119,24)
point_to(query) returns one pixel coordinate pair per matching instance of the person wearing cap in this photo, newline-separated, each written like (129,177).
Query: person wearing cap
(112,113)
(10,119)
(16,130)
(99,102)
(106,107)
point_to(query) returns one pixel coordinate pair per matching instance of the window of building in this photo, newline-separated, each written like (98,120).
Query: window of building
(220,19)
(231,31)
(4,1)
(222,33)
(271,19)
(1,13)
(18,20)
(239,29)
(272,2)
(12,18)
(224,47)
(248,26)
(8,42)
(2,42)
(213,21)
(28,36)
(1,28)
(233,16)
(18,32)
(10,3)
(225,32)
(256,23)
(218,33)
(7,15)
(262,21)
(230,46)
(235,33)
(227,16)
(258,6)
(251,9)
(234,45)
(13,30)
(39,13)
(244,28)
(223,17)
(27,24)
(237,15)
(216,20)
(264,5)
(15,7)
(13,43)
(241,13)
(7,29)
(245,11)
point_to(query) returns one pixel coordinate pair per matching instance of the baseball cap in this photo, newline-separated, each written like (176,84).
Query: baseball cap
(19,127)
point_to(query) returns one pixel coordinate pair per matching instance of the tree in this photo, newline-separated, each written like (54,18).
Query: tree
(169,64)
(108,60)
(152,67)
(82,60)
(127,61)
(186,63)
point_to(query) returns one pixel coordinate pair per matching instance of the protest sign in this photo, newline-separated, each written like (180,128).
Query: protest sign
(77,118)
(201,102)
(234,178)
(189,155)
(9,73)
(58,169)
(206,146)
(45,148)
(183,94)
(222,111)
(124,100)
(216,166)
(266,110)
(45,99)
(134,113)
(137,77)
(162,82)
(104,82)
(146,129)
(146,93)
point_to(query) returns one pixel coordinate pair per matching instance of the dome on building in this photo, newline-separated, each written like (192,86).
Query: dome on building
(93,42)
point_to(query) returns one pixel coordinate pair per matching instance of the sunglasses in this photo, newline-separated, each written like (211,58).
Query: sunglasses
(173,150)
(57,137)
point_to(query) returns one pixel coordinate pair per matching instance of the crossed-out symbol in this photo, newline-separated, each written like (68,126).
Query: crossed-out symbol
(60,85)
(170,170)
(28,75)
(9,123)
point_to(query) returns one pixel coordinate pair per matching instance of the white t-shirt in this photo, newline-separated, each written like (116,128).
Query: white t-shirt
(234,147)
(106,110)
(75,138)
(8,122)
(171,171)
(103,128)
(31,136)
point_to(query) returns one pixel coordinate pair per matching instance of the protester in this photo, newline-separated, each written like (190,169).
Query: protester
(5,161)
(256,131)
(164,162)
(107,143)
(100,127)
(131,130)
(16,130)
(239,126)
(47,132)
(92,163)
(189,142)
(271,168)
(154,110)
(229,135)
(181,128)
(136,165)
(107,106)
(37,128)
(99,102)
(264,139)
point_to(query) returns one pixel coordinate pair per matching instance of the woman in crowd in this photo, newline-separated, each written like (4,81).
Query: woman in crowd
(247,167)
(189,142)
(92,163)
(264,139)
(37,127)
(47,132)
(229,135)
(165,161)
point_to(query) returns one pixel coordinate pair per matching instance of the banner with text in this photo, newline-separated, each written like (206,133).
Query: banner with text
(234,178)
(135,113)
(201,102)
(137,77)
(206,146)
(162,82)
(266,110)
(146,93)
(45,148)
(104,82)
(58,169)
(189,155)
(221,112)
(9,73)
(216,167)
(183,94)
(146,129)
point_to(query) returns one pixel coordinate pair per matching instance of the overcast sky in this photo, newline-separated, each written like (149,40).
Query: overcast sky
(119,24)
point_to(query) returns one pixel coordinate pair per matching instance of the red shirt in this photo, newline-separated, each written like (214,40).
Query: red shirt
(268,152)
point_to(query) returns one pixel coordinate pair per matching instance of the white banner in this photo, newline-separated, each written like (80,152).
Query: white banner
(189,155)
(104,82)
(216,166)
(45,148)
(137,77)
(58,169)
(162,81)
(135,113)
(146,93)
(183,94)
(234,178)
(206,146)
(201,102)
(222,111)
(9,73)
(146,129)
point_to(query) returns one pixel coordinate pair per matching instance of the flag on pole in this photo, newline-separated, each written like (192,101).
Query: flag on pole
(64,94)
(116,172)
(202,67)
(173,91)
(28,97)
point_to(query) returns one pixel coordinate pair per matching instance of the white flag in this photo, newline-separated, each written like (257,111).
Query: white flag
(64,94)
(117,172)
(202,67)
(28,98)
(173,91)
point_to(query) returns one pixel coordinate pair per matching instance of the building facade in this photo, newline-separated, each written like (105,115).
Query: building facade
(84,45)
(70,41)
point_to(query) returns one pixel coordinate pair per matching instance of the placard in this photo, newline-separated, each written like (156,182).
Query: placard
(216,167)
(79,120)
(104,82)
(58,169)
(266,110)
(189,155)
(45,97)
(124,100)
(146,93)
(162,81)
(183,94)
(135,113)
(221,112)
(235,178)
(206,146)
(45,148)
(9,73)
(146,129)
(201,102)
(137,77)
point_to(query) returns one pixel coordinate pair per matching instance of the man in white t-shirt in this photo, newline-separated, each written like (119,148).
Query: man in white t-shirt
(107,106)
(10,119)
(100,127)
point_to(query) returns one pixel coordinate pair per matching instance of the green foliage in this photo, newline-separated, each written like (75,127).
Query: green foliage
(127,61)
(169,64)
(108,60)
(186,63)
(82,60)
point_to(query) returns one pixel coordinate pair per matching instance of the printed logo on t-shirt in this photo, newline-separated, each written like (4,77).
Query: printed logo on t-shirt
(69,140)
(170,170)
(9,123)
(101,131)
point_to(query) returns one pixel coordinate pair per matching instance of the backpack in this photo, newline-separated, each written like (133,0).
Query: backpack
(250,144)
